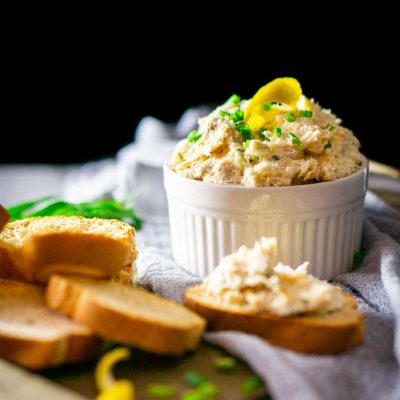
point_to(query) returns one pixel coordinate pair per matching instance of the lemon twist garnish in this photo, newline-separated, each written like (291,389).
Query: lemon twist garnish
(109,387)
(280,96)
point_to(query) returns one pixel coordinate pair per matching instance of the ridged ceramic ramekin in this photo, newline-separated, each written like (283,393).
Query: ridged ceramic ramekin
(320,223)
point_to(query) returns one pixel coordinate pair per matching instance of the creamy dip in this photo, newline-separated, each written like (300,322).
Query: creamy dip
(297,145)
(249,281)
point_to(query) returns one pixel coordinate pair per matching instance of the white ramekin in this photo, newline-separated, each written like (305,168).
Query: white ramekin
(320,223)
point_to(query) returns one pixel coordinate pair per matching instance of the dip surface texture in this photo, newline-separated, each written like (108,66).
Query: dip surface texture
(249,281)
(278,145)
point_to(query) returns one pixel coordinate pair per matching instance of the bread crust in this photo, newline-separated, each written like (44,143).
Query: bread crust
(85,253)
(330,334)
(151,335)
(4,217)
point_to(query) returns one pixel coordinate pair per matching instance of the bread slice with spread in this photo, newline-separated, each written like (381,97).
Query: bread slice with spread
(284,306)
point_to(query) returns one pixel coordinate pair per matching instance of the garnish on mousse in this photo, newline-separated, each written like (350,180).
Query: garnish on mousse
(240,141)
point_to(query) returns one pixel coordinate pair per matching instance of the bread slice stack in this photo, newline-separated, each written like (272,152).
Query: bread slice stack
(328,333)
(64,322)
(34,336)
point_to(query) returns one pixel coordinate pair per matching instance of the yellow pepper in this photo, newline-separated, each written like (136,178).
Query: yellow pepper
(280,96)
(109,387)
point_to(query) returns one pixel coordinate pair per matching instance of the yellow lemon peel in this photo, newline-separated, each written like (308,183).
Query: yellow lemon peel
(109,387)
(286,92)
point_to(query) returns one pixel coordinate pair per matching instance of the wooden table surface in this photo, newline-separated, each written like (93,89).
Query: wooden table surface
(145,368)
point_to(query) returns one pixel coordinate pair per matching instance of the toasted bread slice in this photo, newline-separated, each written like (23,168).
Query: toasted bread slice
(126,314)
(33,248)
(4,217)
(329,333)
(36,337)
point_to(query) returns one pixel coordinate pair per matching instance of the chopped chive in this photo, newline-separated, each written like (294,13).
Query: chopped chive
(278,132)
(251,385)
(329,127)
(276,158)
(207,390)
(224,113)
(237,116)
(193,379)
(262,130)
(225,364)
(290,117)
(358,258)
(193,136)
(267,106)
(294,139)
(306,114)
(244,130)
(192,395)
(160,391)
(235,99)
(246,144)
(264,137)
(328,145)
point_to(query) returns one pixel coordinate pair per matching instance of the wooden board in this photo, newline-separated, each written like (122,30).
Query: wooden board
(144,369)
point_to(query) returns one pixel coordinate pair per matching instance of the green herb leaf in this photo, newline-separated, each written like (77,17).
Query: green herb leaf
(193,379)
(107,209)
(224,113)
(225,364)
(329,127)
(160,391)
(235,99)
(278,132)
(358,258)
(327,145)
(237,116)
(306,114)
(251,385)
(17,211)
(246,144)
(267,106)
(193,136)
(290,117)
(244,130)
(295,139)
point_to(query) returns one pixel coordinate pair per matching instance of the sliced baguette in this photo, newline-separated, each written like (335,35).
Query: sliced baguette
(36,337)
(4,217)
(320,334)
(33,248)
(126,314)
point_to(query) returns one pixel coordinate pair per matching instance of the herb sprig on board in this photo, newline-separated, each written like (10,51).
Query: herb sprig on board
(49,206)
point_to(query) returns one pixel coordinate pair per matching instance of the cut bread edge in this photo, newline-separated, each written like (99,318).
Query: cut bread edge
(72,299)
(4,217)
(34,351)
(331,333)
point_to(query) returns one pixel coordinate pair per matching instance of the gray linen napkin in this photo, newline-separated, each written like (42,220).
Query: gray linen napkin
(370,371)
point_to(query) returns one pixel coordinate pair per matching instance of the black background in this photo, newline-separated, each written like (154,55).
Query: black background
(76,94)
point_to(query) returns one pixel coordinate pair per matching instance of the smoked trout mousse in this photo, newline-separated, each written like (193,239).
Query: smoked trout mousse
(278,138)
